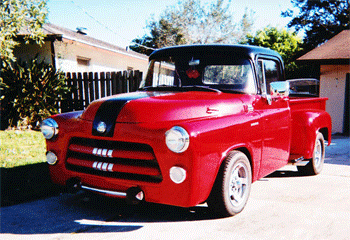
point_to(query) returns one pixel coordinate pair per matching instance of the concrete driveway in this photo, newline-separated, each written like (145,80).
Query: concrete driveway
(283,205)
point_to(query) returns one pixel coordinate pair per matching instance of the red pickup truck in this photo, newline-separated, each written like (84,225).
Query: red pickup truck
(207,121)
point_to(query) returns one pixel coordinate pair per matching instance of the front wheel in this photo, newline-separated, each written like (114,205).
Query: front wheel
(232,187)
(315,165)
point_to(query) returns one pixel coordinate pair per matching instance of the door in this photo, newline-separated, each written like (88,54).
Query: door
(275,118)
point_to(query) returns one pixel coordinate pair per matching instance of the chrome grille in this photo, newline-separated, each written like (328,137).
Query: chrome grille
(113,159)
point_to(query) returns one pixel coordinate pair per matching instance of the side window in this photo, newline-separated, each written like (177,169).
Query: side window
(271,73)
(268,72)
(261,76)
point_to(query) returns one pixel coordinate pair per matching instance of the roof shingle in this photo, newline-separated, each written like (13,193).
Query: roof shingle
(336,48)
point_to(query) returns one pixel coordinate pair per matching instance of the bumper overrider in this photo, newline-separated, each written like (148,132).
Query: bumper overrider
(137,161)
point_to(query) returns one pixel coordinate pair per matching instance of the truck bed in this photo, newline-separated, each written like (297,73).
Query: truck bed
(308,113)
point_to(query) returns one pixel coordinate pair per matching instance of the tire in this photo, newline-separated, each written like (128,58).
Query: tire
(315,165)
(231,190)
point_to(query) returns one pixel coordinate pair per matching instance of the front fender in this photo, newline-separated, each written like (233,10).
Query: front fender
(213,139)
(305,125)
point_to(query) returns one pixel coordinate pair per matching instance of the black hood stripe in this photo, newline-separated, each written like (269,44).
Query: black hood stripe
(109,110)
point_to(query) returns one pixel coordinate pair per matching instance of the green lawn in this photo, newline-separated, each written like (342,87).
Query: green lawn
(18,148)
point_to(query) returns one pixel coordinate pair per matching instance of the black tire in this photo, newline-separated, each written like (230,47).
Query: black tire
(315,165)
(231,190)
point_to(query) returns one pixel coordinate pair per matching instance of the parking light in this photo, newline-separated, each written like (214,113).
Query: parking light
(177,174)
(51,158)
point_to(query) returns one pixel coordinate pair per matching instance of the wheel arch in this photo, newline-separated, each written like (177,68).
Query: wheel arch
(217,200)
(315,164)
(249,156)
(325,133)
(243,149)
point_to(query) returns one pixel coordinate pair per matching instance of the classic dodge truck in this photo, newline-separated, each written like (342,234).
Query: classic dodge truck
(206,122)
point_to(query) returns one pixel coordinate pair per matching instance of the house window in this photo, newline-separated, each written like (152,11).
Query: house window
(83,61)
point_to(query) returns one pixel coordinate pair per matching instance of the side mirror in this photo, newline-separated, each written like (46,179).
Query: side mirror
(279,89)
(268,98)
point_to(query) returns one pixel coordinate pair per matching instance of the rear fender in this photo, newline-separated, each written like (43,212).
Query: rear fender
(305,125)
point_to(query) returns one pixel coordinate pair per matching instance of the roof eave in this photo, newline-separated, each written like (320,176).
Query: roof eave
(326,61)
(48,37)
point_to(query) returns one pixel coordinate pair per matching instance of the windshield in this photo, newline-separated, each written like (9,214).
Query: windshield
(221,73)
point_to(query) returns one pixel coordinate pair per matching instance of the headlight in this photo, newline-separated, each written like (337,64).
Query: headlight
(177,139)
(49,128)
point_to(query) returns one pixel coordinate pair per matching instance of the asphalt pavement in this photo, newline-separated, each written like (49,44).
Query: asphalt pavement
(283,205)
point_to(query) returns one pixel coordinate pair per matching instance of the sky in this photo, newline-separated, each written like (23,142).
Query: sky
(120,21)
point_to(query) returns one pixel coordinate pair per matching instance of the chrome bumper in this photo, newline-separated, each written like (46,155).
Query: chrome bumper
(113,193)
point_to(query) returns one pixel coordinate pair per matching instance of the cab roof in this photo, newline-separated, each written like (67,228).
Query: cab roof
(244,50)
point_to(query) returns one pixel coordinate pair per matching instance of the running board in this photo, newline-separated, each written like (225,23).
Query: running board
(299,162)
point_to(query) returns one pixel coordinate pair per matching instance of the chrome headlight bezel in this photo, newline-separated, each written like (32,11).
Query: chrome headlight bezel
(177,139)
(49,128)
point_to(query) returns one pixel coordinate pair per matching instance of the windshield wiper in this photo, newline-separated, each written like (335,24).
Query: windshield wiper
(183,88)
(232,91)
(160,87)
(203,88)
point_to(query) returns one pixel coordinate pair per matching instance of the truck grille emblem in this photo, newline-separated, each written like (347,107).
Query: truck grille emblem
(101,127)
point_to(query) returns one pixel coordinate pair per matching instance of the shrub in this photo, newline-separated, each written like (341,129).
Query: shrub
(30,92)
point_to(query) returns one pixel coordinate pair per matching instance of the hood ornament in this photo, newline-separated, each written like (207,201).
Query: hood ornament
(101,127)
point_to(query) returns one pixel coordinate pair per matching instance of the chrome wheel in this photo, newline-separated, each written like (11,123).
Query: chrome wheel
(318,154)
(315,165)
(238,184)
(231,190)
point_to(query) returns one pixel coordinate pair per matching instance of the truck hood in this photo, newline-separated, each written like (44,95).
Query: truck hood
(143,107)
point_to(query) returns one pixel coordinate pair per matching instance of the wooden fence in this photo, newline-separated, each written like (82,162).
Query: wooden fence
(87,87)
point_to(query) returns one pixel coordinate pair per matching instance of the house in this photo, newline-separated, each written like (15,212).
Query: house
(75,51)
(333,57)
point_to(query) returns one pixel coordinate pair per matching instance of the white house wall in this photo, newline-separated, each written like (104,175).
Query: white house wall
(332,85)
(100,60)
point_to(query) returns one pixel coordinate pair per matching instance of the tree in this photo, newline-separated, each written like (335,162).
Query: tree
(190,22)
(286,43)
(163,33)
(17,15)
(321,20)
(31,92)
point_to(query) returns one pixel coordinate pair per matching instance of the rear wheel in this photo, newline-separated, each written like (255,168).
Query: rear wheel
(232,187)
(315,165)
